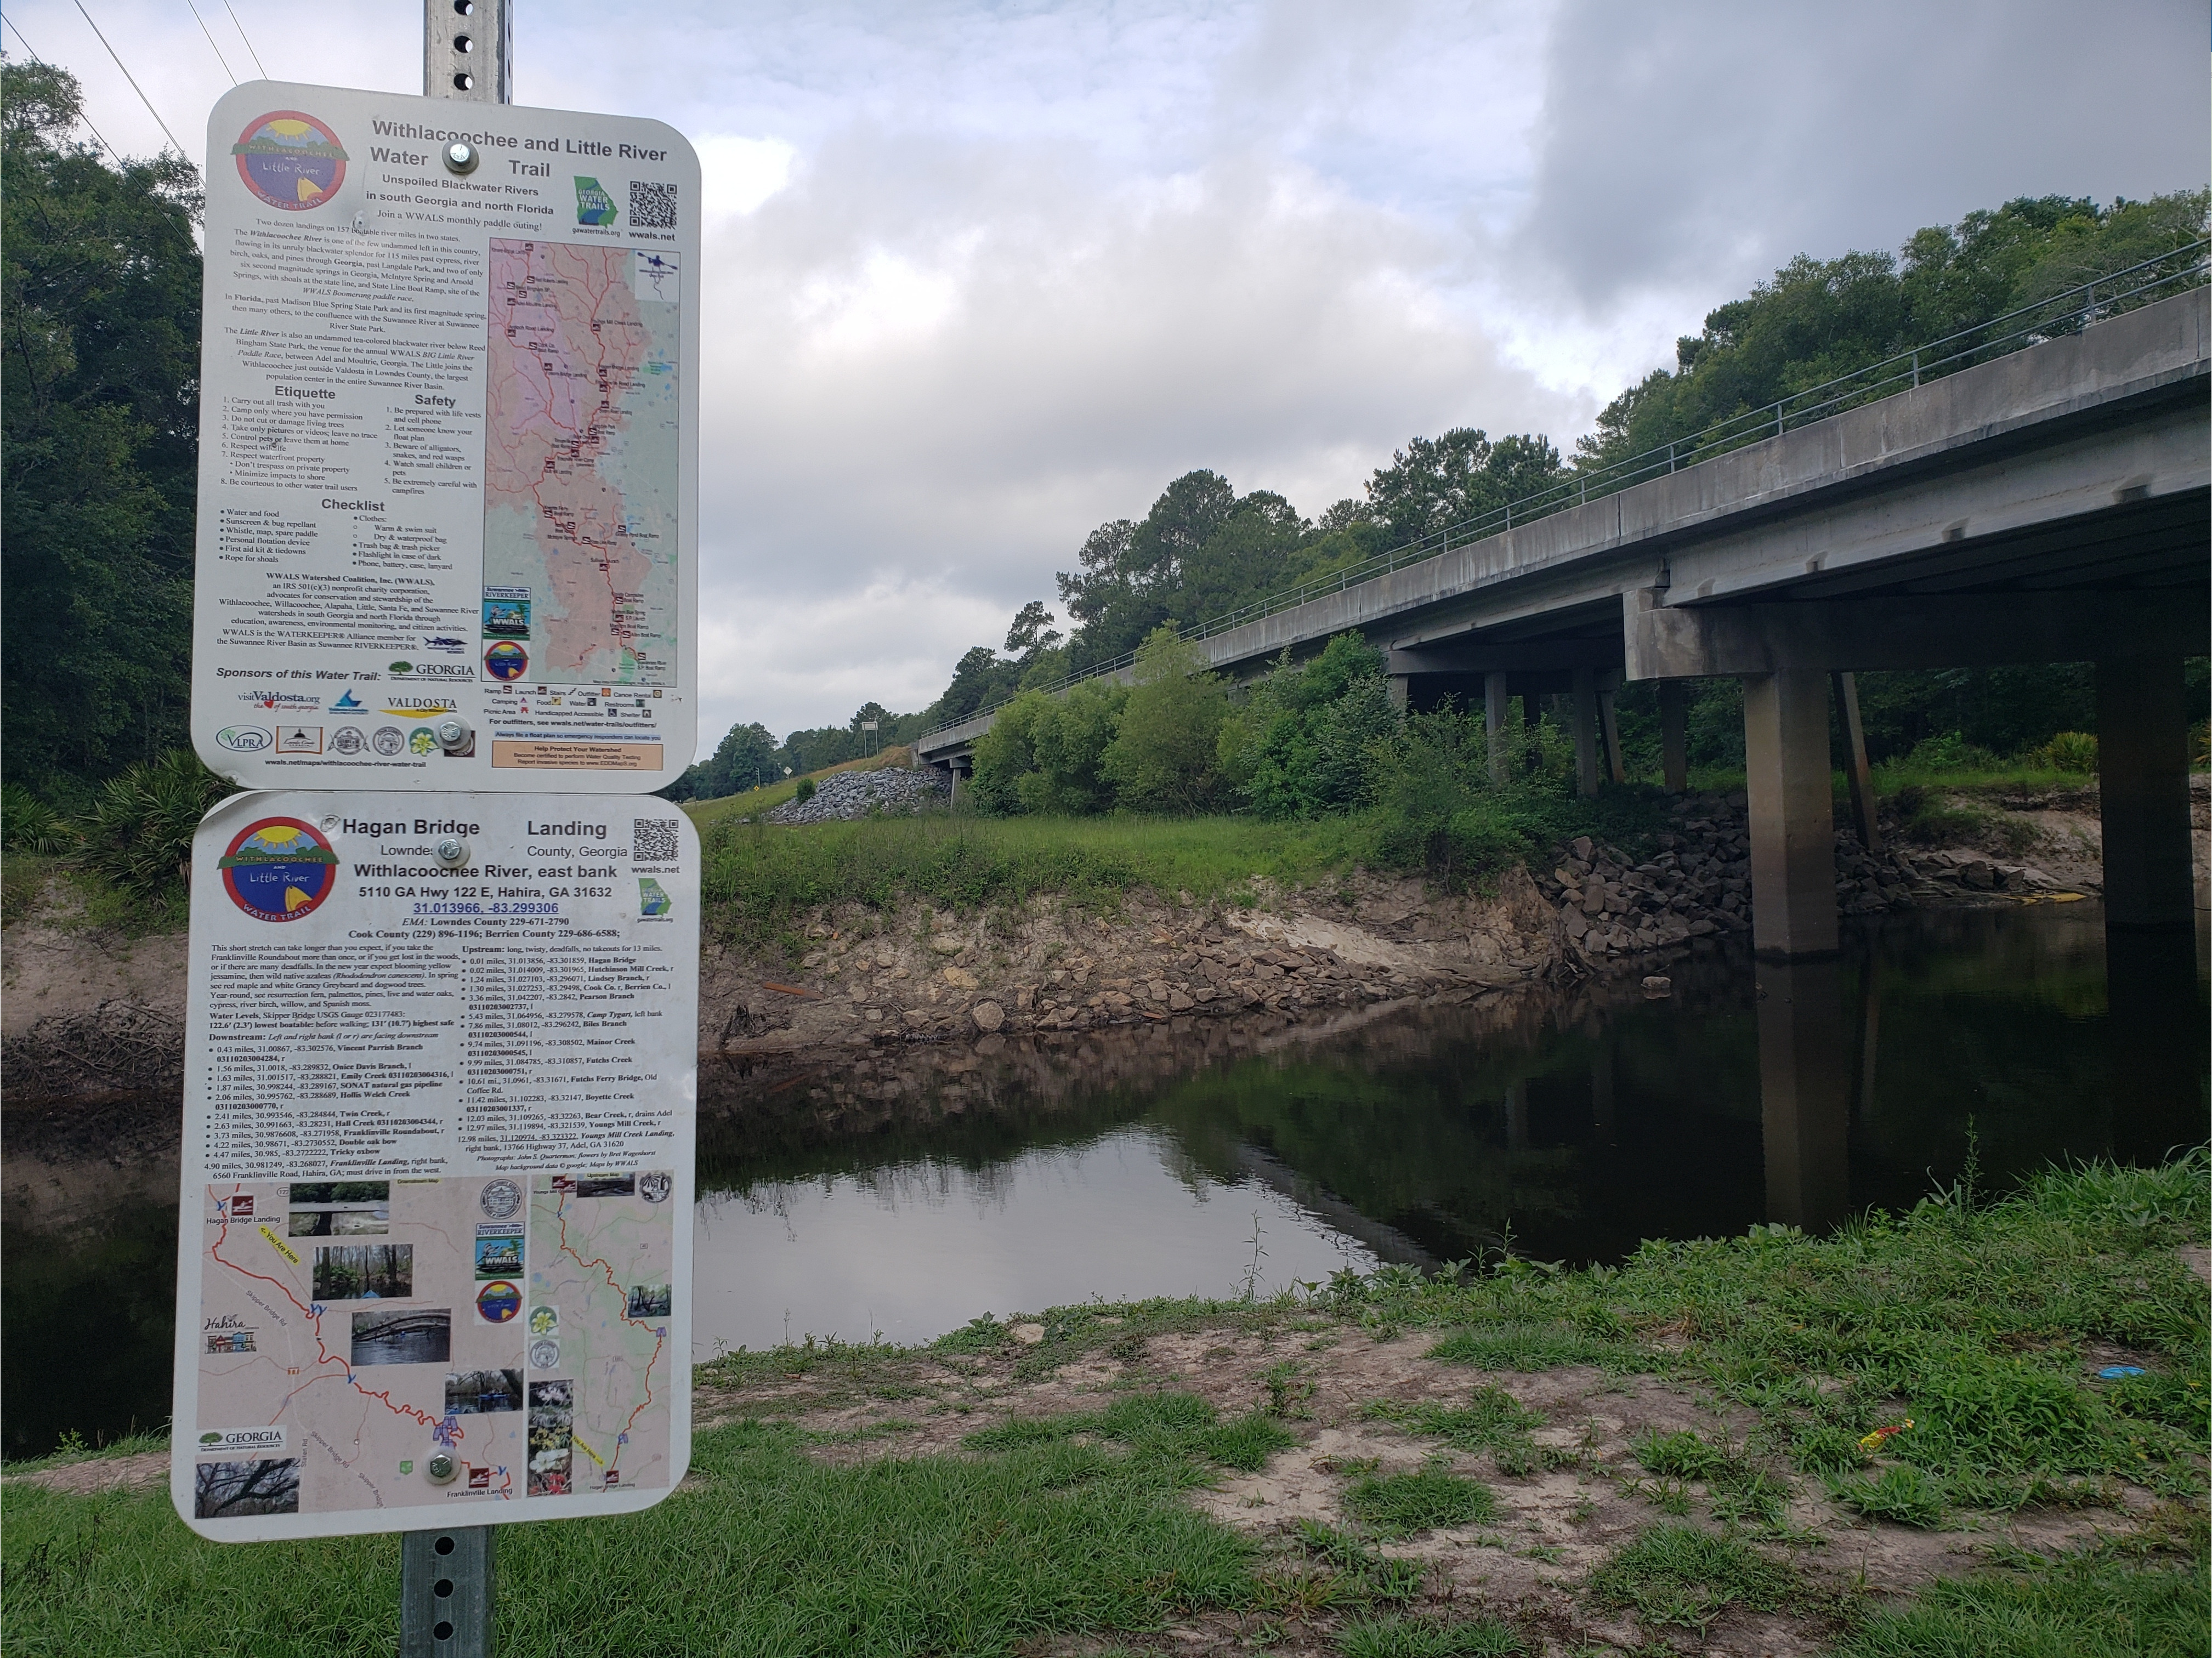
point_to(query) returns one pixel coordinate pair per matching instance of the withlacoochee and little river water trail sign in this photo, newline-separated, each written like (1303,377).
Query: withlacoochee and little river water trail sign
(435,1248)
(448,446)
(435,1237)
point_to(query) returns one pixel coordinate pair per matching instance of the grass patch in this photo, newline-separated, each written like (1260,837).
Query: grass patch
(772,1551)
(759,877)
(1902,1494)
(1396,1635)
(1685,1578)
(1970,1317)
(1492,1420)
(1530,1347)
(1164,1428)
(2085,1606)
(1401,1504)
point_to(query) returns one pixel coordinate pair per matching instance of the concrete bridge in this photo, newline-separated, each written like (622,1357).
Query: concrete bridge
(2051,505)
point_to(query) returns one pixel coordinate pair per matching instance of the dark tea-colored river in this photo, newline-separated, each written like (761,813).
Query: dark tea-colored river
(1574,1124)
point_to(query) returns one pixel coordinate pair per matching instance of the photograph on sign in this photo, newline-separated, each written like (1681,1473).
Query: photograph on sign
(435,1237)
(448,446)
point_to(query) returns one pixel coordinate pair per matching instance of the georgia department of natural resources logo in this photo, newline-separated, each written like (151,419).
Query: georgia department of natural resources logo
(279,870)
(290,160)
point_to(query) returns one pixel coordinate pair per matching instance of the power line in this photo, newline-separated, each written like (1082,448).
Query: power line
(134,87)
(81,115)
(212,48)
(241,27)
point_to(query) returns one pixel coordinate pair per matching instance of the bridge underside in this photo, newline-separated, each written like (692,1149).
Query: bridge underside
(2125,586)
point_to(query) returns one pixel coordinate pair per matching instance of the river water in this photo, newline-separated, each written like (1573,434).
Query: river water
(1566,1126)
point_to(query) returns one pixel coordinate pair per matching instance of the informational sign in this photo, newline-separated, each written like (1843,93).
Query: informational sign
(448,446)
(436,1243)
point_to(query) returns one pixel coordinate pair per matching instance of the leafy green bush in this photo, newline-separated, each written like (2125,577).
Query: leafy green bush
(804,791)
(139,831)
(1301,742)
(2068,752)
(29,824)
(1949,752)
(1163,754)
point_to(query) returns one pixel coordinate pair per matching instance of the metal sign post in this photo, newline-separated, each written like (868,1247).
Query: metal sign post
(435,1238)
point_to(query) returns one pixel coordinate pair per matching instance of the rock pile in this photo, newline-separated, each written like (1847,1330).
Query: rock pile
(847,794)
(1699,881)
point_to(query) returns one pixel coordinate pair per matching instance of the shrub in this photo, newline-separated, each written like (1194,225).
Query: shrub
(1163,754)
(139,831)
(806,790)
(1302,740)
(29,824)
(2068,752)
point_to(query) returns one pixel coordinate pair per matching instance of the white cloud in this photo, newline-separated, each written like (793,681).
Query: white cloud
(741,173)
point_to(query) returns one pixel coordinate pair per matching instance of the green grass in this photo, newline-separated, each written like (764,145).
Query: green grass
(1163,1428)
(773,1552)
(1971,1320)
(760,878)
(1684,1578)
(1402,1504)
(2087,1605)
(1396,1635)
(1492,1420)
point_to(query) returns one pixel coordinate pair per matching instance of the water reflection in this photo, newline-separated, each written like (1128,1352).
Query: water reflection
(908,1190)
(1805,1071)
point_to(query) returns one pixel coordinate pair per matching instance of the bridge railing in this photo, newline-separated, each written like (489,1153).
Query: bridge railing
(2066,312)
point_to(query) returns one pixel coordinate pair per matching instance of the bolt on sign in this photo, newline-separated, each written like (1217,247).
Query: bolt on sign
(434,1250)
(448,446)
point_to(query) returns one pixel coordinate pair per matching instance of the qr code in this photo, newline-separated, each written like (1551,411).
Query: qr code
(651,207)
(653,840)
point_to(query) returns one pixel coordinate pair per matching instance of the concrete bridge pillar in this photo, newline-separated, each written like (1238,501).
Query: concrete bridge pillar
(1673,735)
(2142,788)
(1793,830)
(1585,695)
(1494,715)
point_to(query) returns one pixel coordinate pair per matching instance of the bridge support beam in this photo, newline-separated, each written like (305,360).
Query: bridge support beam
(1401,690)
(1673,735)
(2142,788)
(1586,729)
(1793,833)
(1496,694)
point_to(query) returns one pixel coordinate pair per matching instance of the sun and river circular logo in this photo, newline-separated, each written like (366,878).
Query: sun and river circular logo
(290,160)
(279,870)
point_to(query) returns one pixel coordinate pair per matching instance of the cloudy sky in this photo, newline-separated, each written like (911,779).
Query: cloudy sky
(979,277)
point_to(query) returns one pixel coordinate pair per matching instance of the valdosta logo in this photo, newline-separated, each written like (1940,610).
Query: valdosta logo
(290,160)
(418,707)
(243,739)
(279,870)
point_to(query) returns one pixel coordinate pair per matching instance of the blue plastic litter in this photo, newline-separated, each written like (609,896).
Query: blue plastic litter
(2120,1372)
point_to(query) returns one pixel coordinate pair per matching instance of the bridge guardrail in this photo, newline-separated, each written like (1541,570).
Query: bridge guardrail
(2068,312)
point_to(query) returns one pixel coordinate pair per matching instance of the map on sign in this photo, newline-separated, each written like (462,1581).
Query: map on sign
(343,1339)
(582,418)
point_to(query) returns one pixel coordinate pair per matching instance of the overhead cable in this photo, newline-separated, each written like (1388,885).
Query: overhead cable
(134,87)
(212,48)
(242,36)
